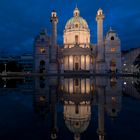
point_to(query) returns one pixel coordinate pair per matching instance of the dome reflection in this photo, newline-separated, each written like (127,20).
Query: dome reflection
(77,96)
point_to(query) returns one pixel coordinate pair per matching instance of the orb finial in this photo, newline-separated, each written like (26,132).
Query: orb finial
(76,5)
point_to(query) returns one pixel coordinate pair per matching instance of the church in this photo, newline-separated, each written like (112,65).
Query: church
(77,53)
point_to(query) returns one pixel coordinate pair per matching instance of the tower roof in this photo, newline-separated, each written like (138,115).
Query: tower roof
(43,31)
(111,31)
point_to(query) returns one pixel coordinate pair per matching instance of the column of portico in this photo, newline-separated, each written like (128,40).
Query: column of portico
(73,85)
(91,64)
(73,62)
(85,85)
(68,86)
(64,63)
(85,61)
(68,63)
(80,62)
(80,85)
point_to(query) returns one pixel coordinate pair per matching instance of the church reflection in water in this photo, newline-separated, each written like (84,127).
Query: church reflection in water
(78,96)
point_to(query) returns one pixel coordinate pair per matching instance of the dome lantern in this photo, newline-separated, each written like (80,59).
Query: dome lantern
(76,12)
(76,22)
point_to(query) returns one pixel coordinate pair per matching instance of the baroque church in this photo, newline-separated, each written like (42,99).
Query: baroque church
(77,54)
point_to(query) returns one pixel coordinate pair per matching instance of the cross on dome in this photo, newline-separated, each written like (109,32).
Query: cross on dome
(111,28)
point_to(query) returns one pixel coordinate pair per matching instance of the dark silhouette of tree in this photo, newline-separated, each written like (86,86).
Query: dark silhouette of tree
(1,67)
(13,66)
(137,62)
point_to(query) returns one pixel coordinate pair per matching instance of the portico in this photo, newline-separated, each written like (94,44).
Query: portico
(77,59)
(76,63)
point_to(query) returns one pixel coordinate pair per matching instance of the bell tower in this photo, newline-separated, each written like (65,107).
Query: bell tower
(41,52)
(54,48)
(100,42)
(54,21)
(113,51)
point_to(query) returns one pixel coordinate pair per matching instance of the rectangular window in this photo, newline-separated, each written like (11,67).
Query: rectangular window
(42,50)
(113,49)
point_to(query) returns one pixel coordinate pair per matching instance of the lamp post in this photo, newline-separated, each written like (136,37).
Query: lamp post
(5,82)
(5,67)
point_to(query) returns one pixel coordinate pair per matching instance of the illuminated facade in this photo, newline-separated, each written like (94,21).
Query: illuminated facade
(77,53)
(113,51)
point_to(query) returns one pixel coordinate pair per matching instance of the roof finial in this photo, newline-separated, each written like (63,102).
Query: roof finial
(76,4)
(76,11)
(110,28)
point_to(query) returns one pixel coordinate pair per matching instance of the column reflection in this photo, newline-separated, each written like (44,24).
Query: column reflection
(78,96)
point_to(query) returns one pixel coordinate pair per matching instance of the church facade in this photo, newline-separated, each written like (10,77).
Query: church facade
(77,54)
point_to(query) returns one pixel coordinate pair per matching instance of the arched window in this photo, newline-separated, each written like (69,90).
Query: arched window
(112,38)
(42,50)
(76,39)
(76,25)
(42,40)
(113,62)
(42,63)
(42,98)
(113,65)
(113,49)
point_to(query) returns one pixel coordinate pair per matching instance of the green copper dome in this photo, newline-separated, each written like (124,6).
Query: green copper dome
(76,22)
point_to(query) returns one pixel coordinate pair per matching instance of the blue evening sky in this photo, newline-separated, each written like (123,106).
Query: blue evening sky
(21,21)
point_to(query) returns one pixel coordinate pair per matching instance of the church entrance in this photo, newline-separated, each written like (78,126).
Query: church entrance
(113,66)
(76,66)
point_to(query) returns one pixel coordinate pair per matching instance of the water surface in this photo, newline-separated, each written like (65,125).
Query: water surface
(70,108)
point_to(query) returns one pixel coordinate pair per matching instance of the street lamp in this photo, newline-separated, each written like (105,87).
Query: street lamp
(5,67)
(5,82)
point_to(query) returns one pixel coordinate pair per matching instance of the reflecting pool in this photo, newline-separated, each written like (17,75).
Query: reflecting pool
(69,108)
